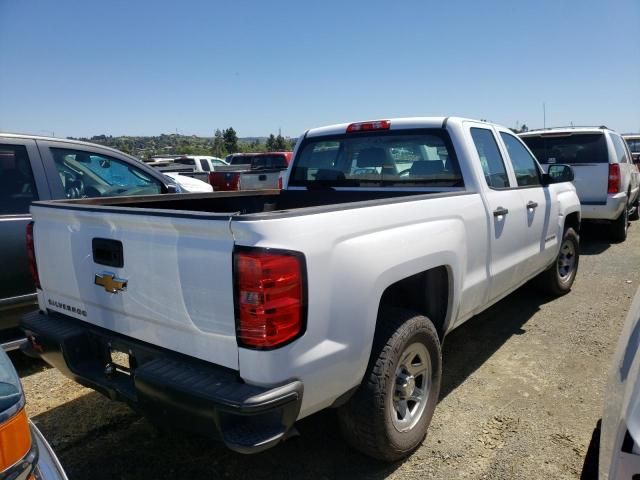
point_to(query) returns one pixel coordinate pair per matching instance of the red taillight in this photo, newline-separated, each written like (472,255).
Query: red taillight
(31,255)
(270,297)
(368,126)
(280,182)
(615,181)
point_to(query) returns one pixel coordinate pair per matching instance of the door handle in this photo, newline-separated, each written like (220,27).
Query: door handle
(500,211)
(532,204)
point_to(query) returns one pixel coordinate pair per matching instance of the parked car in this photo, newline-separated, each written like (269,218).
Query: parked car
(24,452)
(251,171)
(605,177)
(620,425)
(237,314)
(200,163)
(40,168)
(189,184)
(633,142)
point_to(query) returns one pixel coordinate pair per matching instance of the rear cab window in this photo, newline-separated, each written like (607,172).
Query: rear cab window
(570,148)
(392,158)
(621,151)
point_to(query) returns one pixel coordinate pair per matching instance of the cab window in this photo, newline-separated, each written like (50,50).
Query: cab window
(491,160)
(524,165)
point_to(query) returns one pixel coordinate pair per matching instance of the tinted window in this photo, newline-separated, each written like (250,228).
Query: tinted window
(568,148)
(240,160)
(621,152)
(378,159)
(86,174)
(493,167)
(185,161)
(524,165)
(17,187)
(204,164)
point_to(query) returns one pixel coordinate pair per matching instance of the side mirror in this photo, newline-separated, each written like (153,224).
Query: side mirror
(173,188)
(558,173)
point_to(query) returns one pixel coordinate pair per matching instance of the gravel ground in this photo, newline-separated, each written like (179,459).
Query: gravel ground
(523,389)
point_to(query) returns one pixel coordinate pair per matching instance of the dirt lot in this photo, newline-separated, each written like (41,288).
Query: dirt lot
(523,388)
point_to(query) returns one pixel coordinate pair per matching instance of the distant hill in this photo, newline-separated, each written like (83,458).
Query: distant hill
(176,144)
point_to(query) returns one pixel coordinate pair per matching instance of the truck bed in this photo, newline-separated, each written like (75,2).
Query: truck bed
(249,203)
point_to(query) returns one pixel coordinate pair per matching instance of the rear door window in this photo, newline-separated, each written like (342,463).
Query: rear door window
(205,165)
(524,165)
(17,185)
(491,160)
(568,148)
(87,174)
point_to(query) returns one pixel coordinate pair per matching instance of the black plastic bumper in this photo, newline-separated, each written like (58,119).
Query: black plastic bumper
(170,388)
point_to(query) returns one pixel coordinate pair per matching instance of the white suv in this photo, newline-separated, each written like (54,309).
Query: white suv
(605,177)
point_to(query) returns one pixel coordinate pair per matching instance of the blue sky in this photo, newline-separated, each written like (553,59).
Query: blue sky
(82,68)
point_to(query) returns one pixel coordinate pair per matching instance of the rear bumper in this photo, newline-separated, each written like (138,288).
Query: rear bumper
(170,388)
(609,210)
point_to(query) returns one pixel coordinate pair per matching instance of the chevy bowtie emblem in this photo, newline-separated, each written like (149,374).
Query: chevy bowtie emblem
(110,282)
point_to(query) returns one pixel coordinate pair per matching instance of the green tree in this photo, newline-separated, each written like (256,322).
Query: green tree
(280,144)
(271,143)
(230,139)
(218,145)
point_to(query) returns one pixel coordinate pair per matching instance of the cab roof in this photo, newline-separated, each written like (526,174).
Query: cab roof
(404,123)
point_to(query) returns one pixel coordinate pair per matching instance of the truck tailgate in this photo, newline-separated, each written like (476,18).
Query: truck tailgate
(591,181)
(259,180)
(177,269)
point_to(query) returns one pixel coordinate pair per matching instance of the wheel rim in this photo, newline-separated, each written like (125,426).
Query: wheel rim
(412,385)
(566,260)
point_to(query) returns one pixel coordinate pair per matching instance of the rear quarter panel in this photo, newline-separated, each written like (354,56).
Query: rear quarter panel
(352,256)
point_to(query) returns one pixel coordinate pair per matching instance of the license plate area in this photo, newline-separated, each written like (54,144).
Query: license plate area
(121,360)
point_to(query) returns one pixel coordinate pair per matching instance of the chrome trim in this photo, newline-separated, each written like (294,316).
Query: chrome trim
(48,466)
(13,344)
(28,298)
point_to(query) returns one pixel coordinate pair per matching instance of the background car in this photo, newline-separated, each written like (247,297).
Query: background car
(633,141)
(189,184)
(42,168)
(620,426)
(606,179)
(24,452)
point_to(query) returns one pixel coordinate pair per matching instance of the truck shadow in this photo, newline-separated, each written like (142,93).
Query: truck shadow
(595,238)
(99,439)
(474,342)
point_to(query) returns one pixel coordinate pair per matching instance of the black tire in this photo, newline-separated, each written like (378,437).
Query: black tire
(636,214)
(366,419)
(559,277)
(618,227)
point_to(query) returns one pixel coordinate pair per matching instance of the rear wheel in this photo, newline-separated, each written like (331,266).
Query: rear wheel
(618,227)
(558,279)
(388,416)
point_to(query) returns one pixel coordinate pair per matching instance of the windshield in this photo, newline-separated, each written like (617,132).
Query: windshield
(421,158)
(10,390)
(568,148)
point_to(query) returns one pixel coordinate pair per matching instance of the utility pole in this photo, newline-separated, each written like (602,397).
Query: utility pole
(544,115)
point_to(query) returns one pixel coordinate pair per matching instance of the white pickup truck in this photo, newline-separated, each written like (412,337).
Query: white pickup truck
(236,314)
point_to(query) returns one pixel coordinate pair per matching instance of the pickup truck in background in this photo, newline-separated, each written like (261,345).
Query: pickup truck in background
(235,314)
(251,171)
(42,168)
(633,142)
(606,179)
